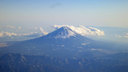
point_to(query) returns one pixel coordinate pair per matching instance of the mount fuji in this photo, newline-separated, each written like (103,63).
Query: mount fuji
(62,41)
(62,50)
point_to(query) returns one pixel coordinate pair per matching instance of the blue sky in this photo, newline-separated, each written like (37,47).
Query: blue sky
(46,13)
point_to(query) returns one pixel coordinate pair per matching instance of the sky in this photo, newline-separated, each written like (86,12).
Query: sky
(75,12)
(24,15)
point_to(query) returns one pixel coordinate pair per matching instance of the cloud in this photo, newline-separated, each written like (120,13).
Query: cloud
(85,31)
(42,30)
(126,35)
(94,49)
(2,34)
(102,50)
(10,34)
(13,27)
(123,36)
(10,26)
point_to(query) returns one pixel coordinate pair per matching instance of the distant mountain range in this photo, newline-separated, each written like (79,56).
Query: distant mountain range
(62,50)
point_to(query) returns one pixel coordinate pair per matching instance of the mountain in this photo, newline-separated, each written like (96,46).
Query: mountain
(61,41)
(63,32)
(62,50)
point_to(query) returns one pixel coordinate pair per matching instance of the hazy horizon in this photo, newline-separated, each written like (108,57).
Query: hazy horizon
(63,35)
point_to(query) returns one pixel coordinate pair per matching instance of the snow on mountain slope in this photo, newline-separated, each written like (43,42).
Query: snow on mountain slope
(63,32)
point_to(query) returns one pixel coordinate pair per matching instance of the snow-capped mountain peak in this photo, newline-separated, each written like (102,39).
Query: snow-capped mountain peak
(63,32)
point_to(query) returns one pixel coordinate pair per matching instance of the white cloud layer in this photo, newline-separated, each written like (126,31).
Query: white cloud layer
(84,31)
(2,34)
(10,34)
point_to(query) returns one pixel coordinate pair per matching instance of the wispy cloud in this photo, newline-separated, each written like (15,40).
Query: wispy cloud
(13,27)
(10,26)
(123,36)
(42,30)
(85,31)
(126,35)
